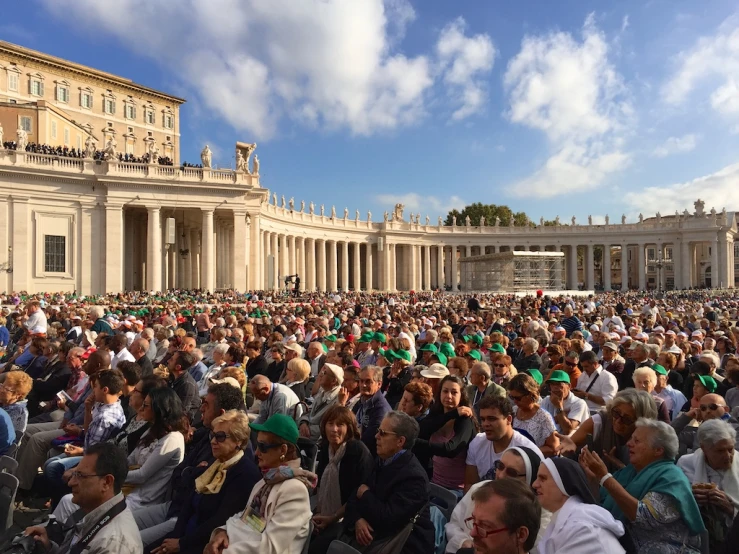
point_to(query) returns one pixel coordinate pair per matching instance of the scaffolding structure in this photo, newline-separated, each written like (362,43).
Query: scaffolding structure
(513,271)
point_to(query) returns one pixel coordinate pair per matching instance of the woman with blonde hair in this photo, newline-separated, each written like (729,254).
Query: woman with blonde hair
(296,376)
(13,392)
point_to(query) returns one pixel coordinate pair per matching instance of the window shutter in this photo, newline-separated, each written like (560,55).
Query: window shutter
(133,112)
(40,88)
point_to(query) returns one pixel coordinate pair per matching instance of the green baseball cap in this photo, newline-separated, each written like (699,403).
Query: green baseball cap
(280,425)
(558,376)
(429,348)
(441,357)
(658,369)
(477,339)
(330,338)
(447,349)
(475,354)
(708,382)
(403,355)
(497,347)
(537,376)
(388,354)
(366,337)
(379,337)
(465,338)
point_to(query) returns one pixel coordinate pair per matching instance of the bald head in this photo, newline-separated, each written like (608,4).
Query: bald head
(712,406)
(260,387)
(139,348)
(98,360)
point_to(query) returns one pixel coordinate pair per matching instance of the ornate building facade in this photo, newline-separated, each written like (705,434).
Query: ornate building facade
(95,224)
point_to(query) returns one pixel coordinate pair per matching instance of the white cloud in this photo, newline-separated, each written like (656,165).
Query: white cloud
(713,61)
(329,64)
(676,145)
(464,61)
(415,202)
(718,190)
(625,23)
(569,90)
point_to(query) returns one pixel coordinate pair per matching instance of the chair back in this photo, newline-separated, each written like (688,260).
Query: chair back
(443,499)
(8,489)
(8,464)
(338,547)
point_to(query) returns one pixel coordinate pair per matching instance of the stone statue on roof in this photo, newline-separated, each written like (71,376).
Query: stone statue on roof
(240,161)
(623,219)
(109,152)
(206,156)
(312,208)
(90,147)
(291,203)
(574,221)
(607,219)
(302,206)
(427,220)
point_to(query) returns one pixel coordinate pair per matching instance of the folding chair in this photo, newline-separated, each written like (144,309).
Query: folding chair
(306,546)
(443,499)
(8,489)
(8,464)
(338,547)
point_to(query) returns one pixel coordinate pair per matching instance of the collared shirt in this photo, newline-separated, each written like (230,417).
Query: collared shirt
(604,385)
(107,419)
(573,407)
(394,457)
(124,354)
(368,357)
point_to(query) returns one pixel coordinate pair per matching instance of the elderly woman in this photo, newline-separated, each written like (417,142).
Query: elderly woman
(503,371)
(645,378)
(277,514)
(651,495)
(673,398)
(219,490)
(529,416)
(296,374)
(578,524)
(713,471)
(528,359)
(277,363)
(344,463)
(214,369)
(13,392)
(519,463)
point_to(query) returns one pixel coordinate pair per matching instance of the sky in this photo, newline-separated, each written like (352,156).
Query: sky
(564,107)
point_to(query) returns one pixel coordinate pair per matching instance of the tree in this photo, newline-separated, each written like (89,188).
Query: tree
(490,211)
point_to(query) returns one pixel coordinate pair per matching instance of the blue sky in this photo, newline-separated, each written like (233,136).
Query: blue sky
(551,107)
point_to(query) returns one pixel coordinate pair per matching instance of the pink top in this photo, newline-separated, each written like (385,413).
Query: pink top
(448,472)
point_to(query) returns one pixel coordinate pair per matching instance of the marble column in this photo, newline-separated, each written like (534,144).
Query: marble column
(207,261)
(393,267)
(345,265)
(256,255)
(724,260)
(321,257)
(455,277)
(154,250)
(606,265)
(311,265)
(275,252)
(113,246)
(677,274)
(368,267)
(194,257)
(573,279)
(660,253)
(440,267)
(715,270)
(624,267)
(641,266)
(589,267)
(293,256)
(300,269)
(238,252)
(333,268)
(284,260)
(427,267)
(357,266)
(129,247)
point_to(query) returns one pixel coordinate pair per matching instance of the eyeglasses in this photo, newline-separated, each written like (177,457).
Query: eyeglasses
(626,420)
(2,386)
(383,433)
(266,446)
(509,471)
(499,365)
(571,364)
(220,436)
(712,407)
(471,524)
(517,398)
(78,475)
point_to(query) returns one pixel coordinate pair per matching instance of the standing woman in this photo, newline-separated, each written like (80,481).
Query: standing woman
(528,415)
(446,433)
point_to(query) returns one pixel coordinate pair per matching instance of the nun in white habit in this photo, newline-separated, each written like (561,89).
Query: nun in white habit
(578,524)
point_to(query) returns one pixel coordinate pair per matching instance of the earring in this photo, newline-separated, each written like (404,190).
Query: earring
(282,458)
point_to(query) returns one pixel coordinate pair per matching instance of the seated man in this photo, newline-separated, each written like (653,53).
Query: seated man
(183,383)
(274,397)
(482,385)
(712,406)
(96,488)
(496,417)
(713,471)
(372,406)
(395,493)
(329,380)
(567,410)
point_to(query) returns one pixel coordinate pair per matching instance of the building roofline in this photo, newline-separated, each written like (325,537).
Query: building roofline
(55,61)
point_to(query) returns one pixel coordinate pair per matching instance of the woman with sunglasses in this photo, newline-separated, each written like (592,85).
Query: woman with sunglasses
(529,416)
(219,490)
(519,463)
(277,515)
(503,371)
(608,431)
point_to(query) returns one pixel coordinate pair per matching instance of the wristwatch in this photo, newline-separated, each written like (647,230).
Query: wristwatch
(559,411)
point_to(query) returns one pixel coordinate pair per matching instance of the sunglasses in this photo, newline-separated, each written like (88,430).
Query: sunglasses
(266,447)
(384,433)
(509,471)
(517,398)
(499,365)
(571,364)
(220,436)
(712,407)
(624,419)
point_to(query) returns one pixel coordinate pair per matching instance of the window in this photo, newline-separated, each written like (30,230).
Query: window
(62,94)
(66,137)
(37,87)
(129,147)
(26,124)
(86,100)
(130,111)
(53,129)
(55,255)
(168,121)
(150,117)
(668,253)
(650,254)
(12,81)
(109,105)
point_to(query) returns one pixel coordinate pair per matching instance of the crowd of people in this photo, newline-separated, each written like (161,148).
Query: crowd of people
(225,422)
(66,152)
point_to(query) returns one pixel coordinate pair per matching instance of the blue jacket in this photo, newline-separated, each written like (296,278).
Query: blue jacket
(369,416)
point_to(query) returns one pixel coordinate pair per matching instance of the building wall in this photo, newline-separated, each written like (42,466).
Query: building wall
(23,67)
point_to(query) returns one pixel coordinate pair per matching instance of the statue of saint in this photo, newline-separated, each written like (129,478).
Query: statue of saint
(574,221)
(312,208)
(153,152)
(454,220)
(482,221)
(302,206)
(440,222)
(713,212)
(206,156)
(256,165)
(322,210)
(333,212)
(659,217)
(641,218)
(22,141)
(369,216)
(90,147)
(686,213)
(497,221)
(556,221)
(590,220)
(356,215)
(427,220)
(387,216)
(274,198)
(511,222)
(282,204)
(541,221)
(623,219)
(291,203)
(240,161)
(607,219)
(467,221)
(109,152)
(346,213)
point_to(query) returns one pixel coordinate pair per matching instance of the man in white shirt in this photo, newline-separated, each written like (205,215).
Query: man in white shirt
(120,352)
(611,318)
(596,386)
(36,316)
(496,417)
(567,410)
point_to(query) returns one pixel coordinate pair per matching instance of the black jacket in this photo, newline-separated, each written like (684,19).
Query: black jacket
(256,366)
(464,432)
(147,368)
(299,390)
(214,509)
(274,370)
(187,389)
(397,493)
(354,469)
(183,476)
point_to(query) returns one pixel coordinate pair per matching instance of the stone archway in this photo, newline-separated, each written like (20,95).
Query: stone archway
(707,276)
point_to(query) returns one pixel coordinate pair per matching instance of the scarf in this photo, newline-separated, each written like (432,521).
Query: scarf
(329,493)
(212,479)
(277,475)
(664,477)
(730,480)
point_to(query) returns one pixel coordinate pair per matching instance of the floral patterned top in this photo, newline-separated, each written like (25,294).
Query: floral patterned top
(540,427)
(660,529)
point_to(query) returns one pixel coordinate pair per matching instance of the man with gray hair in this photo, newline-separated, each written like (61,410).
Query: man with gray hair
(395,493)
(99,325)
(638,356)
(275,399)
(528,359)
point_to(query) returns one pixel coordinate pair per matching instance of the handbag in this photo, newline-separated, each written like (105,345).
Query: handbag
(389,545)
